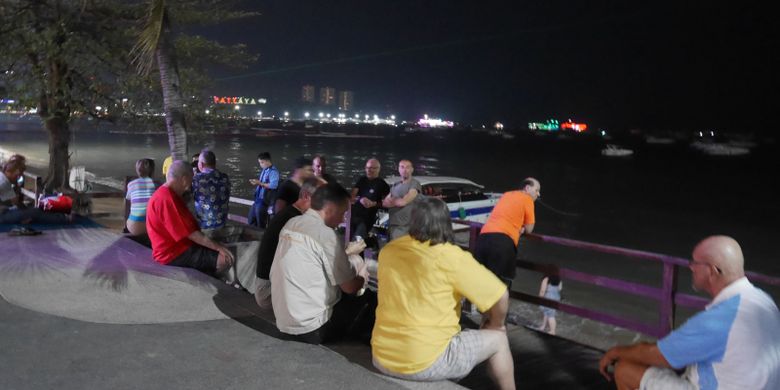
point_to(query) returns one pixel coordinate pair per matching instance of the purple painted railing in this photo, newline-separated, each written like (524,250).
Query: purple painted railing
(666,295)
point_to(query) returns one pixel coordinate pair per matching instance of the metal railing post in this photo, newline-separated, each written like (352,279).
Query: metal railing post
(473,234)
(668,291)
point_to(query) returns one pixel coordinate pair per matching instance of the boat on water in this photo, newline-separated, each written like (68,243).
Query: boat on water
(719,149)
(616,151)
(654,140)
(333,134)
(465,199)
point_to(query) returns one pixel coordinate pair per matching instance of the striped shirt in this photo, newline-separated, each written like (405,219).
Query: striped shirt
(138,192)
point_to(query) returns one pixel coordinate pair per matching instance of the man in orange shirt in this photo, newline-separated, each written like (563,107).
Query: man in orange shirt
(512,216)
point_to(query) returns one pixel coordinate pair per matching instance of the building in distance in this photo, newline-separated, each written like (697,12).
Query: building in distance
(346,100)
(327,96)
(308,94)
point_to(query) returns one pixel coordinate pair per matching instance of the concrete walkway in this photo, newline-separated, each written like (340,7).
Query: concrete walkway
(217,339)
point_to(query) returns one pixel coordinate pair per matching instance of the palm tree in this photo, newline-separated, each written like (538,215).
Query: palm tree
(155,44)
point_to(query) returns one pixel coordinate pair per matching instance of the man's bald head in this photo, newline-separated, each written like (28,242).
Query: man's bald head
(723,252)
(178,169)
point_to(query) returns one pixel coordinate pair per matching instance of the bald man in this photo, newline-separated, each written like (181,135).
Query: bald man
(367,195)
(733,344)
(173,231)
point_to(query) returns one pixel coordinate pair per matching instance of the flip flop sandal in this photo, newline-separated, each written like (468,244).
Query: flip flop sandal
(24,231)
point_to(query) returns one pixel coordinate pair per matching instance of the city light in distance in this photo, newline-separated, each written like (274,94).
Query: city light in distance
(321,115)
(259,113)
(306,114)
(237,107)
(207,112)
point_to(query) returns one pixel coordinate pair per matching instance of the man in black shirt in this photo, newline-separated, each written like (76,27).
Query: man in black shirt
(320,166)
(265,256)
(289,190)
(367,195)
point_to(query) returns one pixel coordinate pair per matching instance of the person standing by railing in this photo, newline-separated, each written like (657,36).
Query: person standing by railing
(399,200)
(733,344)
(367,195)
(512,216)
(265,193)
(211,192)
(551,289)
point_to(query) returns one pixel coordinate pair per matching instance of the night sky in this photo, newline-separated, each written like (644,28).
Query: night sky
(650,65)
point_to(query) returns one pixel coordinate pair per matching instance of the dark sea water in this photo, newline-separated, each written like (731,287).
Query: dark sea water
(662,199)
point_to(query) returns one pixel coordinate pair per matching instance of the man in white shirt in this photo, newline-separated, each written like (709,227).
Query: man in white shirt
(733,344)
(312,270)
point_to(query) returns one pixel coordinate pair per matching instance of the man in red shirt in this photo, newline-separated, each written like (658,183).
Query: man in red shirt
(173,231)
(512,216)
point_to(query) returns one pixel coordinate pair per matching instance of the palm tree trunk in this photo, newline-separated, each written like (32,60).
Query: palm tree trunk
(173,104)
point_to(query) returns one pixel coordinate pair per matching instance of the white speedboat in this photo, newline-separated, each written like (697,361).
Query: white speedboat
(616,151)
(465,199)
(718,149)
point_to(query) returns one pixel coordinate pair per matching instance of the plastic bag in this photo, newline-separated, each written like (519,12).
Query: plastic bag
(57,204)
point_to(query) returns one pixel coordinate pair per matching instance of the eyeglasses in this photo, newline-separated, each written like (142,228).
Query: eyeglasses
(695,262)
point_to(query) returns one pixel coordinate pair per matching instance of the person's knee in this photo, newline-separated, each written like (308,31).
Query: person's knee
(628,373)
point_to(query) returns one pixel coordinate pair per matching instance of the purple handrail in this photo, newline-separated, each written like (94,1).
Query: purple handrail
(666,295)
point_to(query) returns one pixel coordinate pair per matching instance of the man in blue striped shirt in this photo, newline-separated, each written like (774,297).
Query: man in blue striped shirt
(267,183)
(733,344)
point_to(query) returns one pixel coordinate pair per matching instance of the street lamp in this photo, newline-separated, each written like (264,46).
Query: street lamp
(306,114)
(237,107)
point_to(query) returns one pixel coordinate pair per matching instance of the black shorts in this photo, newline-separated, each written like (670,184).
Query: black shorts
(201,258)
(498,253)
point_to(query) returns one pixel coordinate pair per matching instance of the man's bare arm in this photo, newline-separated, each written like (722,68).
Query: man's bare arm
(646,354)
(495,316)
(408,198)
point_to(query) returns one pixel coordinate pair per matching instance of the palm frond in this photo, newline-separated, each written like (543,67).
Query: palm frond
(143,52)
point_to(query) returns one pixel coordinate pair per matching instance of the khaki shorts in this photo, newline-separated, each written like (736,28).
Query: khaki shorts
(454,363)
(657,378)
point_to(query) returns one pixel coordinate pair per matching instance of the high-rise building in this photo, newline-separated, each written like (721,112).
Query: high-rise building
(346,100)
(327,96)
(308,94)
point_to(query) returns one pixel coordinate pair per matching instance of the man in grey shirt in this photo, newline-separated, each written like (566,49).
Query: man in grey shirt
(12,207)
(399,201)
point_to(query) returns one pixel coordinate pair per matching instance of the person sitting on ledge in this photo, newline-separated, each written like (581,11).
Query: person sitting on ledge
(422,278)
(173,231)
(138,193)
(313,273)
(265,256)
(733,344)
(12,207)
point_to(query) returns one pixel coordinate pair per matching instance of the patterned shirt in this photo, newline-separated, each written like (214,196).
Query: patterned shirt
(138,193)
(211,190)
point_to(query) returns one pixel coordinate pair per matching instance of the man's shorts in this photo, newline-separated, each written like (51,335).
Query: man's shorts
(657,378)
(201,258)
(498,253)
(454,363)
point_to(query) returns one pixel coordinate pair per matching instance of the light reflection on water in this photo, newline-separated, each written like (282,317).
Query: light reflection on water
(662,199)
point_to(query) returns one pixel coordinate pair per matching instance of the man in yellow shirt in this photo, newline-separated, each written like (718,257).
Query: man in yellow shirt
(422,278)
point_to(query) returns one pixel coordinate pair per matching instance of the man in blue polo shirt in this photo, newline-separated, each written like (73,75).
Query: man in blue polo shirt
(733,344)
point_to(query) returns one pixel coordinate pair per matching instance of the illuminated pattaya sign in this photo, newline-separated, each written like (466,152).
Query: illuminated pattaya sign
(238,100)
